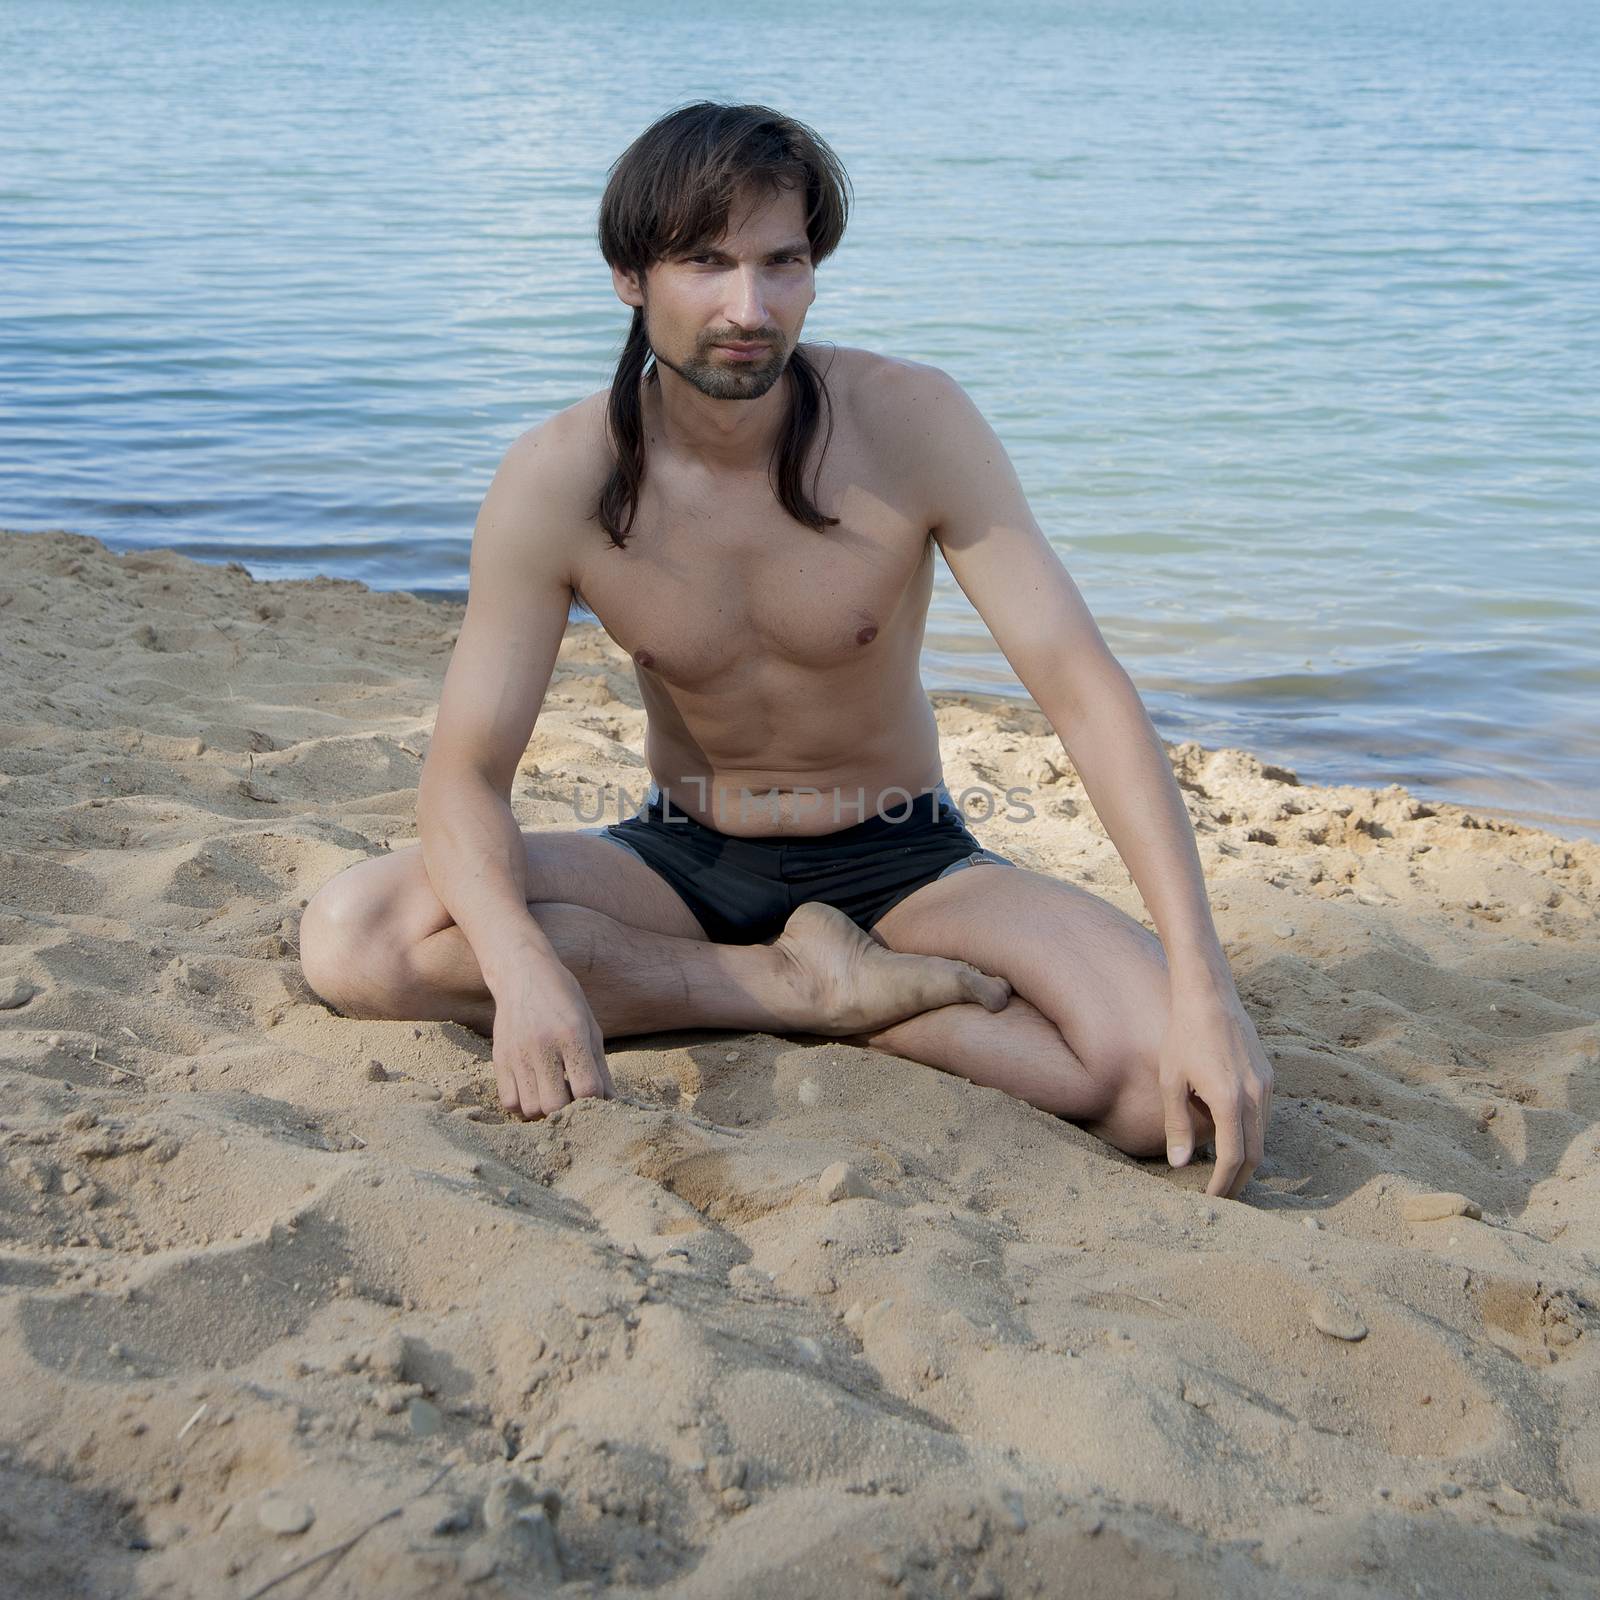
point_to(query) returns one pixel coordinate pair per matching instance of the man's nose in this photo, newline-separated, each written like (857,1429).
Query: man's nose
(747,305)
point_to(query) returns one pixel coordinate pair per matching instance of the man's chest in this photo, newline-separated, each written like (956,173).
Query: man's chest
(712,583)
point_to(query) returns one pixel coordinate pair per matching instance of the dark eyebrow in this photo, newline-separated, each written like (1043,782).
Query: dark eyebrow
(798,247)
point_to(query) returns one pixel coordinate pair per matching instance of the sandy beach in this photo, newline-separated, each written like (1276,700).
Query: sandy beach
(273,1280)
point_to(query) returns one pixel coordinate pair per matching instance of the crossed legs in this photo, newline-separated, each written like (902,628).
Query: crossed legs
(376,941)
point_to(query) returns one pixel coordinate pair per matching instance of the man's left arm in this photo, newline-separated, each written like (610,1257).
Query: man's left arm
(1007,569)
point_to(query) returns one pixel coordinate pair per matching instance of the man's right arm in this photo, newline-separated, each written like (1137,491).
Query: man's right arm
(519,591)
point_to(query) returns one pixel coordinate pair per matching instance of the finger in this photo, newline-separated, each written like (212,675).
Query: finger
(610,1089)
(550,1072)
(528,1101)
(1229,1118)
(1246,1170)
(1179,1124)
(505,1081)
(584,1075)
(513,1081)
(1252,1148)
(1255,1133)
(597,1053)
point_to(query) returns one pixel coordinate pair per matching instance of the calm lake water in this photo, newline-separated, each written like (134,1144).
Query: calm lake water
(1287,314)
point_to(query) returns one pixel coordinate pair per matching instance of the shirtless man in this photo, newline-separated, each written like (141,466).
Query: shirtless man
(754,520)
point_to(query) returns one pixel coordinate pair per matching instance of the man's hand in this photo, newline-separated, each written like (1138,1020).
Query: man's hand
(547,1046)
(1210,1050)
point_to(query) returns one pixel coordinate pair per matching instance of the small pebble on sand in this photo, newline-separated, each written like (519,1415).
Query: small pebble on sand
(279,1514)
(841,1181)
(1335,1315)
(17,992)
(1436,1205)
(424,1418)
(457,1520)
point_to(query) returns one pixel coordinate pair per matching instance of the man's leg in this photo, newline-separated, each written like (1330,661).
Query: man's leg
(376,941)
(1089,1003)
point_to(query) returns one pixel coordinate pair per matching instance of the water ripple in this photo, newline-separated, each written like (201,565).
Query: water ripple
(1290,331)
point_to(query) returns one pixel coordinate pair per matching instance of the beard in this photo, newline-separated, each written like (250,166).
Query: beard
(720,379)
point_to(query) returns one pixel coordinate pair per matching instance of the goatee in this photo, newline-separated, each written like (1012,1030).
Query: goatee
(744,380)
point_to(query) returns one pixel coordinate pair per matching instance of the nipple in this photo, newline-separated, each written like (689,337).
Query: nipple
(644,658)
(867,634)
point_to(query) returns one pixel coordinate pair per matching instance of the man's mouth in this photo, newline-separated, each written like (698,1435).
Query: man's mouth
(744,349)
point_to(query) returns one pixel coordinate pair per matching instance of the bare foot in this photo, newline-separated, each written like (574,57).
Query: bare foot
(845,982)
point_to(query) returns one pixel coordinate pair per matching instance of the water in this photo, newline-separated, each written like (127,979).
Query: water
(1288,315)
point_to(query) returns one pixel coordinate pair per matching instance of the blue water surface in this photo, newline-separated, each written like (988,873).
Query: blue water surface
(1287,313)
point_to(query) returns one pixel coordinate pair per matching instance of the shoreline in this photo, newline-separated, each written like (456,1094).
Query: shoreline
(1308,770)
(267,1271)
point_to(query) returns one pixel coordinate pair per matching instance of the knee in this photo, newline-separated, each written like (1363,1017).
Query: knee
(342,955)
(1135,1119)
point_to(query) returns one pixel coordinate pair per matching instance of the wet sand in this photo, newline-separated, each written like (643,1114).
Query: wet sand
(267,1272)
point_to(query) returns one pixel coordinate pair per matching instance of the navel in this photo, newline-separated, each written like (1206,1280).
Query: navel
(867,634)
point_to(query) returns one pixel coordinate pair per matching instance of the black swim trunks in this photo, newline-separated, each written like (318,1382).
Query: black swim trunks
(743,890)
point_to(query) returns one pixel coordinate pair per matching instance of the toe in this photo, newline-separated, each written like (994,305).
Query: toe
(959,983)
(991,993)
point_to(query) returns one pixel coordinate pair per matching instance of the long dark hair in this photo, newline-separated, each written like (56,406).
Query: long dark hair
(672,189)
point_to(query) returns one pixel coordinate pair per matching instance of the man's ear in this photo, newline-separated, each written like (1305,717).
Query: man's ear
(630,291)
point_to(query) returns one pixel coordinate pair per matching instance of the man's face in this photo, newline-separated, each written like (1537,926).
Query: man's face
(753,285)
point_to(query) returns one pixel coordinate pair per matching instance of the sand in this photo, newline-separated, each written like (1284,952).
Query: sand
(258,1293)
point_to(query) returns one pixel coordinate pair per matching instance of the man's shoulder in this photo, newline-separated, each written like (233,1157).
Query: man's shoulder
(564,456)
(548,484)
(871,375)
(906,409)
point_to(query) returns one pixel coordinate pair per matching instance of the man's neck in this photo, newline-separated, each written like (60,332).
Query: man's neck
(723,435)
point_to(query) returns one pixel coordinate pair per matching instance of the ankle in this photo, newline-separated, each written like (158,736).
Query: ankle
(787,985)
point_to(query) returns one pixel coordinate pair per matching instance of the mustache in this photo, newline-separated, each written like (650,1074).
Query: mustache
(773,338)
